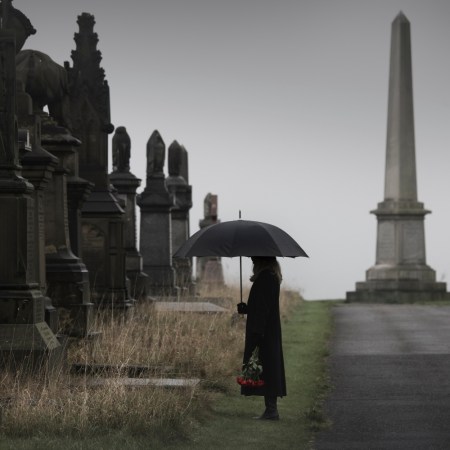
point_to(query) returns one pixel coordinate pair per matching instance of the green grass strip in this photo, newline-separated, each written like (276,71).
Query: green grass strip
(305,345)
(230,425)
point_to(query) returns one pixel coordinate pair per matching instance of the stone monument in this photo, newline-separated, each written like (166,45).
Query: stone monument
(66,274)
(25,337)
(209,269)
(126,184)
(400,273)
(178,186)
(38,166)
(156,204)
(102,240)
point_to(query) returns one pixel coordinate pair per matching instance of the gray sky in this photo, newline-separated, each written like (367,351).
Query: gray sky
(282,106)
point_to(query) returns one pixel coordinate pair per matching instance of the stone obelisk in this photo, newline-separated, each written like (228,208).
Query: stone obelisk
(400,273)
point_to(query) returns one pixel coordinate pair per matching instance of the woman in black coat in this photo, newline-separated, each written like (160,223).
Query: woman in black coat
(263,329)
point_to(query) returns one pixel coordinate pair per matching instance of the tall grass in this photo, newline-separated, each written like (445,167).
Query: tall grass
(158,344)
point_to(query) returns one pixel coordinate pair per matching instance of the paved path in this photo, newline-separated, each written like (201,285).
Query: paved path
(390,368)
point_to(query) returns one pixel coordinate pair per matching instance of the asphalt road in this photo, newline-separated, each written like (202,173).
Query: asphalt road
(390,372)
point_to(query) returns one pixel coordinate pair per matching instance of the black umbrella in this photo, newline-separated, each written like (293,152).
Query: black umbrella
(240,238)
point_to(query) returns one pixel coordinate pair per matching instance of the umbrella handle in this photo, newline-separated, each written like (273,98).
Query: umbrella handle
(240,266)
(240,274)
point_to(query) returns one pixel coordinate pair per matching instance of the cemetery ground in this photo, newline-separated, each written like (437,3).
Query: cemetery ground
(64,411)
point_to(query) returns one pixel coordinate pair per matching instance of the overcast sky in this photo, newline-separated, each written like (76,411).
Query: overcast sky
(282,106)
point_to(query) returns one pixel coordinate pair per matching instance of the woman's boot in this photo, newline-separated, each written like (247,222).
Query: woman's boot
(271,412)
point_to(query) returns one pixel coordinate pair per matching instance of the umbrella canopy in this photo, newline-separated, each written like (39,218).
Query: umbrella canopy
(240,238)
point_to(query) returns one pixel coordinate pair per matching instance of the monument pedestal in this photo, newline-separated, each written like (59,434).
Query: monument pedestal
(155,244)
(156,204)
(400,274)
(103,251)
(126,184)
(67,276)
(25,338)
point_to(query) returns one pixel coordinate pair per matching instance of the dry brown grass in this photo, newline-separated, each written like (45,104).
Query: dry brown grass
(205,346)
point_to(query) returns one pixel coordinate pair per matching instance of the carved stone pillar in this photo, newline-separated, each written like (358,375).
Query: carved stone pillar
(126,184)
(102,235)
(156,223)
(38,166)
(25,337)
(67,276)
(178,186)
(209,268)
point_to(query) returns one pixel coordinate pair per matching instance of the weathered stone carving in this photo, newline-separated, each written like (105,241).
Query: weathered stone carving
(156,154)
(67,276)
(46,82)
(17,23)
(181,192)
(209,269)
(24,335)
(155,237)
(101,213)
(38,166)
(121,147)
(126,184)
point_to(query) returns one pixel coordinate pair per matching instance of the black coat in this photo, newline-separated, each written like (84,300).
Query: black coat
(263,329)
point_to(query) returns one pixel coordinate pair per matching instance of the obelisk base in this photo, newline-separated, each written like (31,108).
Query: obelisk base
(399,284)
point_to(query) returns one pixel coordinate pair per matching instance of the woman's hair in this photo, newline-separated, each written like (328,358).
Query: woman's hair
(261,263)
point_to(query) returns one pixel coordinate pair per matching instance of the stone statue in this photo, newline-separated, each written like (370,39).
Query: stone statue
(121,145)
(46,82)
(156,153)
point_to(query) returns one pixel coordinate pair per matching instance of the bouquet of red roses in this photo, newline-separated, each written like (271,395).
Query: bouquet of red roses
(251,372)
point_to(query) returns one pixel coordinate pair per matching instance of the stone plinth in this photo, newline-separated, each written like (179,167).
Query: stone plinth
(156,204)
(126,185)
(178,186)
(67,276)
(209,268)
(38,166)
(22,303)
(400,273)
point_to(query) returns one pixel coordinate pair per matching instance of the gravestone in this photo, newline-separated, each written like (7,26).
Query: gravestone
(400,273)
(67,276)
(38,166)
(102,239)
(209,268)
(25,337)
(178,186)
(126,184)
(156,204)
